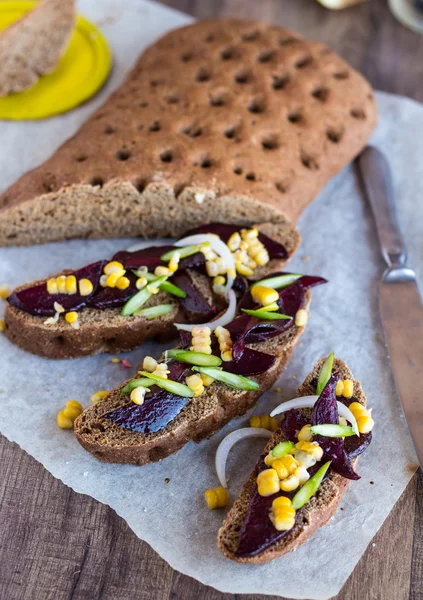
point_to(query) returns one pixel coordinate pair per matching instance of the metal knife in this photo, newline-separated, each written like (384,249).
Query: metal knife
(400,303)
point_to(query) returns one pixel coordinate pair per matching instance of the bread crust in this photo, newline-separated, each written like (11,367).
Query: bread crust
(315,514)
(251,129)
(217,406)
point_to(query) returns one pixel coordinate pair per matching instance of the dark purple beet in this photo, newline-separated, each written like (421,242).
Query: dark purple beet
(252,362)
(113,297)
(224,231)
(151,258)
(247,329)
(36,300)
(355,445)
(292,423)
(194,303)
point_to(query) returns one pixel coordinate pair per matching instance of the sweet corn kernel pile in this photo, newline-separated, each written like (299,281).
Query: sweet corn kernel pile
(67,284)
(195,383)
(264,422)
(114,276)
(365,423)
(283,514)
(216,498)
(66,417)
(345,388)
(247,250)
(225,343)
(201,339)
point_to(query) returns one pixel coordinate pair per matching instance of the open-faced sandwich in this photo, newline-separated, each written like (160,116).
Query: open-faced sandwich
(114,305)
(217,373)
(305,468)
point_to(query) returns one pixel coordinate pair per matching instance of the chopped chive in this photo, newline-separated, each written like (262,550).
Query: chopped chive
(153,312)
(266,316)
(332,430)
(278,282)
(310,488)
(238,382)
(325,373)
(141,382)
(271,307)
(184,252)
(171,386)
(140,298)
(283,448)
(195,358)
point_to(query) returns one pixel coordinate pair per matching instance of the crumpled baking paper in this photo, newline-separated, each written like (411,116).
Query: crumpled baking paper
(339,242)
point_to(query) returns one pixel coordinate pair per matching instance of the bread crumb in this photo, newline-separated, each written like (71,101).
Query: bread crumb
(199,197)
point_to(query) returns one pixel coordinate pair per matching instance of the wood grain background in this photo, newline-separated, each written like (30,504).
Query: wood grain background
(59,545)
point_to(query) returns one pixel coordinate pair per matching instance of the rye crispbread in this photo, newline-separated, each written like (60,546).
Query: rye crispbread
(225,117)
(106,330)
(314,514)
(33,45)
(199,419)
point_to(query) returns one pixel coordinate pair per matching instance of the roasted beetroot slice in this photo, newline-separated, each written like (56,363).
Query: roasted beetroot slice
(151,258)
(252,362)
(194,303)
(36,300)
(114,297)
(292,423)
(224,231)
(247,329)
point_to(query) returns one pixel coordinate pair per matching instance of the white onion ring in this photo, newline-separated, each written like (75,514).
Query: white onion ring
(229,441)
(218,246)
(309,402)
(223,320)
(138,246)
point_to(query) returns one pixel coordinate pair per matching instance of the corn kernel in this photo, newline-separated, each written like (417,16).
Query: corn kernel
(63,421)
(103,281)
(113,267)
(357,409)
(140,283)
(61,284)
(195,383)
(212,268)
(114,277)
(301,318)
(249,234)
(284,512)
(255,421)
(138,395)
(348,388)
(267,482)
(304,459)
(302,474)
(281,501)
(58,308)
(217,498)
(262,257)
(234,241)
(274,425)
(2,326)
(174,262)
(342,421)
(71,285)
(365,424)
(201,330)
(311,448)
(98,396)
(264,295)
(203,348)
(4,291)
(206,379)
(339,390)
(243,269)
(305,434)
(280,468)
(269,459)
(227,355)
(265,422)
(122,283)
(52,286)
(149,364)
(219,280)
(283,518)
(290,463)
(85,287)
(152,288)
(72,409)
(290,484)
(161,369)
(71,317)
(160,271)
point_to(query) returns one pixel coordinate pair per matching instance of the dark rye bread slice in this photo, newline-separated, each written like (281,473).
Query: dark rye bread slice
(225,117)
(199,419)
(318,510)
(106,330)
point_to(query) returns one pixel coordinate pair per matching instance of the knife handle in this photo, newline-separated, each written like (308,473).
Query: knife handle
(377,181)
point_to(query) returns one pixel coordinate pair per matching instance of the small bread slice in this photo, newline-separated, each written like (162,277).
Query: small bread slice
(106,330)
(314,514)
(199,419)
(32,46)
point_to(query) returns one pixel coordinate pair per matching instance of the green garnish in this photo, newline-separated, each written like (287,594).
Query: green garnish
(283,448)
(184,252)
(310,488)
(278,282)
(153,312)
(171,386)
(237,382)
(270,307)
(325,373)
(167,286)
(141,297)
(333,431)
(142,382)
(265,315)
(195,358)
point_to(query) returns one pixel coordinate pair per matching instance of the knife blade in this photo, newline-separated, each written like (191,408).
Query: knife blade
(400,303)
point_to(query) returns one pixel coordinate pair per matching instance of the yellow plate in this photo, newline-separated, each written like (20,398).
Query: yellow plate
(79,74)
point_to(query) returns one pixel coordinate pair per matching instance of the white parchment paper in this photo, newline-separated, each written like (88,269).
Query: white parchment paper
(338,242)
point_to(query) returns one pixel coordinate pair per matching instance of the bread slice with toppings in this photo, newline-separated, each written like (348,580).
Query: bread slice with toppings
(314,514)
(199,419)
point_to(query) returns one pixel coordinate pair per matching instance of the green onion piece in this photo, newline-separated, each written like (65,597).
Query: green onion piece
(168,287)
(144,382)
(153,312)
(325,373)
(195,358)
(310,488)
(283,448)
(140,298)
(238,382)
(271,307)
(171,386)
(184,252)
(266,316)
(278,282)
(333,431)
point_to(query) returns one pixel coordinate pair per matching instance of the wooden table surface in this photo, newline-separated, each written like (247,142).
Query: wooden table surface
(56,544)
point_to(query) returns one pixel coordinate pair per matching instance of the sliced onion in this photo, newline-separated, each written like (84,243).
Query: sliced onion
(309,402)
(223,320)
(138,246)
(218,246)
(229,441)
